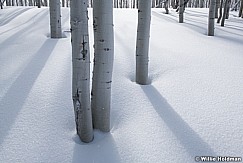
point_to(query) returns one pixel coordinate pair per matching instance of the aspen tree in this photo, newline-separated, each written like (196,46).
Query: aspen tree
(224,13)
(103,63)
(220,11)
(30,2)
(201,3)
(181,11)
(1,4)
(81,69)
(142,45)
(55,19)
(38,3)
(241,9)
(211,17)
(217,8)
(45,2)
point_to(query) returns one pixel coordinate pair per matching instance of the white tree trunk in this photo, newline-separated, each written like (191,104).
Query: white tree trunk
(211,17)
(181,11)
(81,70)
(55,19)
(142,45)
(103,63)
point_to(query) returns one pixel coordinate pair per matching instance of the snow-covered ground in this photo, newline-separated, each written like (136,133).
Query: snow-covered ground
(193,107)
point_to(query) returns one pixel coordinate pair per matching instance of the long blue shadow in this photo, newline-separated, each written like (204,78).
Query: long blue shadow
(14,99)
(188,138)
(14,14)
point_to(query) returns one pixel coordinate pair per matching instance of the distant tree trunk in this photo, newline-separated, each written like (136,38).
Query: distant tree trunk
(235,5)
(220,11)
(63,3)
(181,10)
(201,3)
(166,6)
(81,69)
(30,2)
(67,3)
(45,2)
(1,3)
(241,9)
(196,3)
(21,2)
(103,63)
(55,19)
(225,12)
(142,48)
(153,3)
(172,3)
(38,3)
(190,3)
(217,8)
(211,17)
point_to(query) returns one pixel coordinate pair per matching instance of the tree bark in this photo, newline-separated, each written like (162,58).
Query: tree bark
(225,12)
(220,11)
(30,2)
(142,48)
(81,69)
(55,19)
(241,9)
(45,2)
(217,8)
(211,17)
(38,3)
(103,63)
(201,3)
(181,11)
(166,6)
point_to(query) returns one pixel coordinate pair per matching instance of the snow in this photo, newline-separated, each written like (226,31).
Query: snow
(193,106)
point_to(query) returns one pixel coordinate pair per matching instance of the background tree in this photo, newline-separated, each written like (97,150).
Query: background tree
(55,19)
(217,8)
(220,11)
(142,48)
(211,17)
(181,11)
(81,70)
(241,9)
(225,12)
(38,3)
(103,63)
(1,3)
(45,3)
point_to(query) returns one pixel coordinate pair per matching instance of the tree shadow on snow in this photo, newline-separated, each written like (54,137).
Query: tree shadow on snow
(102,149)
(23,29)
(13,15)
(188,138)
(14,99)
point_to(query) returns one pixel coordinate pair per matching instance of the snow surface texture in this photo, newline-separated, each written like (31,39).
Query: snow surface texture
(193,107)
